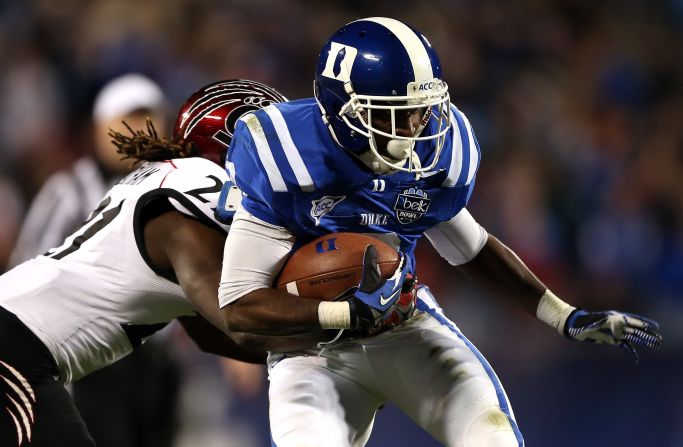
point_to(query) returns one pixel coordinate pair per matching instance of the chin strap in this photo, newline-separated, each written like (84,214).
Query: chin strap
(399,149)
(375,164)
(326,121)
(400,153)
(416,164)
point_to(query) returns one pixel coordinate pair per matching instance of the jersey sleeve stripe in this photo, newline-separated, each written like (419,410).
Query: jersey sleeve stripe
(464,136)
(456,154)
(461,144)
(278,151)
(230,170)
(264,153)
(303,177)
(474,151)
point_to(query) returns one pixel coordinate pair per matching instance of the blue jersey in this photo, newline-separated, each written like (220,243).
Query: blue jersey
(294,175)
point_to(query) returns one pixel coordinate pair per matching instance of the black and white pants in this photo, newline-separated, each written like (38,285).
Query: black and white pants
(35,408)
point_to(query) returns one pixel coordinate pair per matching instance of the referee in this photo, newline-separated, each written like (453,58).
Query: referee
(133,402)
(67,197)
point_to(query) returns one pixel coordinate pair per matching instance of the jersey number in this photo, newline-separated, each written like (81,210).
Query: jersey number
(107,217)
(197,193)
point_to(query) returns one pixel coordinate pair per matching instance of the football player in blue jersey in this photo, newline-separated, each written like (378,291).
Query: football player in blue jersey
(380,150)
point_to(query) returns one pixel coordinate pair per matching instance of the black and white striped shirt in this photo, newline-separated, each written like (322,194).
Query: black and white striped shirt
(62,204)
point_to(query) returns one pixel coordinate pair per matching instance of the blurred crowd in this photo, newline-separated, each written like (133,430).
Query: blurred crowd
(577,106)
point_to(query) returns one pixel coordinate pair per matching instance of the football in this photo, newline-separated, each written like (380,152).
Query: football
(327,267)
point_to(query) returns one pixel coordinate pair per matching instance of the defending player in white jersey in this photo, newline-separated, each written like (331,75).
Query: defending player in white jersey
(379,150)
(149,253)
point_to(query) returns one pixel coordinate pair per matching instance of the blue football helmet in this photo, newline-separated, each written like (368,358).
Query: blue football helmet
(382,65)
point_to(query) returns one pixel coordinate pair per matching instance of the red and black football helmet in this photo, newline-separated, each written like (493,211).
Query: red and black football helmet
(208,117)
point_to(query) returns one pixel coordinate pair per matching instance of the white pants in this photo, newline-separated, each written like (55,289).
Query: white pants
(426,367)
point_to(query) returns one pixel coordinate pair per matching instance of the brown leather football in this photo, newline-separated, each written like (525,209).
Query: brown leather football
(327,267)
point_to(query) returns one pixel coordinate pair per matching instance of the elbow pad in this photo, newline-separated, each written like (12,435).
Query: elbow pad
(458,240)
(254,254)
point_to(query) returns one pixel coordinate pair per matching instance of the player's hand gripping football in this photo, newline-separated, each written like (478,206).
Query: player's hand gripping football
(376,298)
(614,328)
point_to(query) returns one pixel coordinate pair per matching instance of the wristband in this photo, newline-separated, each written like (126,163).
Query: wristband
(334,315)
(553,311)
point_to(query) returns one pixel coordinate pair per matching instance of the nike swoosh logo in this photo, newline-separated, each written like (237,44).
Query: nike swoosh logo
(430,173)
(383,301)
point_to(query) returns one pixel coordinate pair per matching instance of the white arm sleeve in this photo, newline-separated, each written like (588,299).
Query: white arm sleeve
(255,251)
(458,240)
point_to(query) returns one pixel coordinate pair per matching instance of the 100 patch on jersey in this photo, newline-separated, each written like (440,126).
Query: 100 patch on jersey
(411,204)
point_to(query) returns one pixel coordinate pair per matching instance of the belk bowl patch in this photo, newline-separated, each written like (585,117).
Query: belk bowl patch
(410,205)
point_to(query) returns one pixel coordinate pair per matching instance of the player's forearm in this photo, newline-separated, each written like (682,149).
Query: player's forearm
(254,254)
(501,271)
(271,312)
(203,296)
(214,341)
(197,265)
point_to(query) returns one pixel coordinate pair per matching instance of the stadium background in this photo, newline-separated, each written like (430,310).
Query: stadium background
(578,108)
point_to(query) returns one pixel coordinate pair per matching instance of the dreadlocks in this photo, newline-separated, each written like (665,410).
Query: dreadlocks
(148,146)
